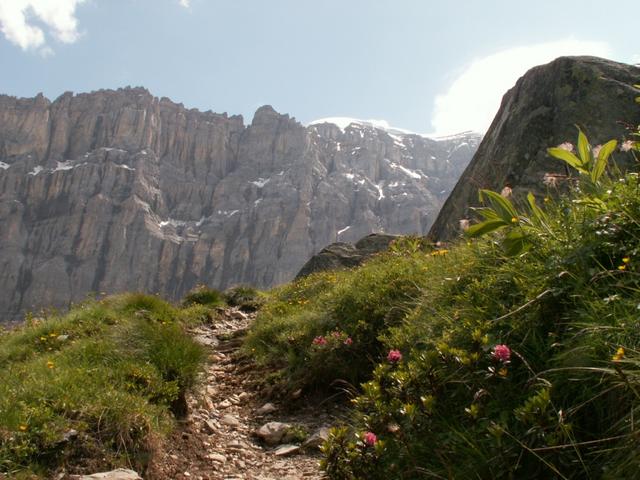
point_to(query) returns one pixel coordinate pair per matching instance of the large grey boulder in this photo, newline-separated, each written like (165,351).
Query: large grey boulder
(345,255)
(541,111)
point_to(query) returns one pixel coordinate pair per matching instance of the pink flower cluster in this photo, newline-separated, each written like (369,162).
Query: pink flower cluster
(502,353)
(394,356)
(335,337)
(369,439)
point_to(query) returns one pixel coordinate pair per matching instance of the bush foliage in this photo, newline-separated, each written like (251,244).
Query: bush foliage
(514,355)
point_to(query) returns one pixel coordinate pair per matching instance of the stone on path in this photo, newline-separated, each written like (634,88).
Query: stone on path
(284,450)
(317,438)
(273,432)
(118,474)
(266,409)
(230,421)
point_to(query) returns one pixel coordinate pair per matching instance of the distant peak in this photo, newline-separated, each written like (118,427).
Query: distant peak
(265,114)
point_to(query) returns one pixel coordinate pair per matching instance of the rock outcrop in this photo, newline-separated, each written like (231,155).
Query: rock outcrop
(119,190)
(346,255)
(541,111)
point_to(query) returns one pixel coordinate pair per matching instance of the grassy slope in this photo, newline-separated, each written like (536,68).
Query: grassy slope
(96,387)
(564,406)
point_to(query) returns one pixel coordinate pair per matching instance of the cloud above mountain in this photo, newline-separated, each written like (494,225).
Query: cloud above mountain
(29,23)
(32,24)
(474,96)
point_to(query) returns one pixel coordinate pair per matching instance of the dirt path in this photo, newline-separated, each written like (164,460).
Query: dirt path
(217,439)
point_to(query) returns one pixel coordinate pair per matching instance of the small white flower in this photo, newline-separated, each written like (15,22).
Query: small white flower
(626,146)
(506,192)
(568,146)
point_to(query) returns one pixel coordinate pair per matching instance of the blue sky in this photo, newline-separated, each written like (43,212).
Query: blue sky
(426,66)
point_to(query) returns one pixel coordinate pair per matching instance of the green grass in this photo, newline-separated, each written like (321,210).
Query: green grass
(354,304)
(244,297)
(566,404)
(203,295)
(95,388)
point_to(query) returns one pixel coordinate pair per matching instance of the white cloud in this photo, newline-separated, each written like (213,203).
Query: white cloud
(474,97)
(185,3)
(58,16)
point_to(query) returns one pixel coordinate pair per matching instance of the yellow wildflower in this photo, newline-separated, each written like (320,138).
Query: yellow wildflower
(619,354)
(473,410)
(626,260)
(514,219)
(502,372)
(622,267)
(23,428)
(50,364)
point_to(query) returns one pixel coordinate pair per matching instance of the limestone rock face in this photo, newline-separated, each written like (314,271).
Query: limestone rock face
(541,111)
(119,190)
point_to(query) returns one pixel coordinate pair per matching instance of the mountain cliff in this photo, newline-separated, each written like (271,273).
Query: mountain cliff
(541,111)
(119,190)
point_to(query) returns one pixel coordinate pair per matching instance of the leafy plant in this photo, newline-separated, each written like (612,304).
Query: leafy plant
(522,227)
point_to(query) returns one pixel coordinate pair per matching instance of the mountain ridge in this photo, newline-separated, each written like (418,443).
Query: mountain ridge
(118,190)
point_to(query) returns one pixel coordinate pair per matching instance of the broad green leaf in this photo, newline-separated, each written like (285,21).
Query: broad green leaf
(485,227)
(584,149)
(535,209)
(593,202)
(502,206)
(516,242)
(603,157)
(487,213)
(566,157)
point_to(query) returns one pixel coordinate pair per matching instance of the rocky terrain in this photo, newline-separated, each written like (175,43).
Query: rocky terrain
(119,190)
(541,111)
(233,430)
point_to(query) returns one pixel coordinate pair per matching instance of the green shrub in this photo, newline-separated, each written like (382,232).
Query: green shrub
(360,304)
(564,402)
(95,386)
(244,297)
(202,295)
(513,356)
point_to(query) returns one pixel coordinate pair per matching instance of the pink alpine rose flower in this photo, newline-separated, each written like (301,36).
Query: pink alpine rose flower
(502,353)
(348,341)
(369,439)
(319,340)
(394,356)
